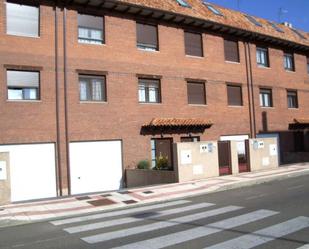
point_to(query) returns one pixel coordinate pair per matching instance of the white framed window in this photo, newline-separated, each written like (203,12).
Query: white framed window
(262,57)
(266,97)
(90,29)
(22,20)
(289,62)
(92,88)
(23,85)
(149,91)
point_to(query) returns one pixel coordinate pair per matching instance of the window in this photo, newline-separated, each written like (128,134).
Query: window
(212,8)
(161,147)
(22,20)
(234,95)
(196,93)
(276,27)
(149,91)
(231,50)
(289,62)
(266,97)
(193,44)
(262,57)
(92,88)
(189,139)
(23,85)
(308,64)
(254,21)
(147,36)
(90,29)
(292,99)
(183,3)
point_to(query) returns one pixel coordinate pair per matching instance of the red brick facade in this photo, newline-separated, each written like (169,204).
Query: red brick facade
(122,116)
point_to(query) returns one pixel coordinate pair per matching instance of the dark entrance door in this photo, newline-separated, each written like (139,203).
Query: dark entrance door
(243,156)
(162,147)
(225,161)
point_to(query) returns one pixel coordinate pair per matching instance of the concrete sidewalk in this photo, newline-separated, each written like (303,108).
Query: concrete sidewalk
(51,209)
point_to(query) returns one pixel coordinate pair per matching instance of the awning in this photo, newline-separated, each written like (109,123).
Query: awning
(299,124)
(176,125)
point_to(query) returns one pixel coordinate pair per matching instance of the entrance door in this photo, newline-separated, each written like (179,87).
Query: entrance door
(243,156)
(162,147)
(224,154)
(242,143)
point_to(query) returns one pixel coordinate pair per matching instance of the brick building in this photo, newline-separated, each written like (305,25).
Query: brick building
(92,83)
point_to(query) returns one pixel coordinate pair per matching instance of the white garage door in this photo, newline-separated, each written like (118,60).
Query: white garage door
(32,170)
(95,166)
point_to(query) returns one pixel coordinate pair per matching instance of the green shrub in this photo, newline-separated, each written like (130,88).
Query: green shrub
(162,163)
(143,164)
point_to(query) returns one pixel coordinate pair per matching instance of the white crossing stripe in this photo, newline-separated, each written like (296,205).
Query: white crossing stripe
(264,235)
(158,225)
(304,247)
(118,213)
(121,221)
(199,232)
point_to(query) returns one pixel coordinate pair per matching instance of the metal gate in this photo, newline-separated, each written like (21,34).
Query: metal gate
(244,158)
(224,155)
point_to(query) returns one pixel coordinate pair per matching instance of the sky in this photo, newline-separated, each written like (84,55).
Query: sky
(293,11)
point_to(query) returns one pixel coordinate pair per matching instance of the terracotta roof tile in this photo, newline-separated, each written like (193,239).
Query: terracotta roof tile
(301,120)
(162,122)
(230,18)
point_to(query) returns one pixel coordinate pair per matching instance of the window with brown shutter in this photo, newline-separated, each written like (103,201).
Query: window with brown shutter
(196,93)
(193,44)
(147,36)
(231,50)
(234,95)
(90,29)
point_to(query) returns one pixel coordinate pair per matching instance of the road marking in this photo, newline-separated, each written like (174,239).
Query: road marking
(117,213)
(199,232)
(115,222)
(295,187)
(158,225)
(264,235)
(304,247)
(256,196)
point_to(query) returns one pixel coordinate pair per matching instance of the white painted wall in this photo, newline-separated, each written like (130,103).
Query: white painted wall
(95,166)
(33,171)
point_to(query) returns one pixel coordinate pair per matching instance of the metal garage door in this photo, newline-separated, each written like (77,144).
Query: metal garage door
(32,171)
(95,166)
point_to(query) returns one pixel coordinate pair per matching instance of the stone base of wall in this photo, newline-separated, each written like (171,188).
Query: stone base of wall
(144,177)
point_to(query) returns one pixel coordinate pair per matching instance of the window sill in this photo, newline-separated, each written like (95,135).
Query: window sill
(263,67)
(267,107)
(22,101)
(149,103)
(293,108)
(23,36)
(290,71)
(148,50)
(198,105)
(91,44)
(233,62)
(235,106)
(93,102)
(194,56)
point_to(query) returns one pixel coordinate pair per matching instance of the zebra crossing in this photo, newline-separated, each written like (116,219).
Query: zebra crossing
(185,222)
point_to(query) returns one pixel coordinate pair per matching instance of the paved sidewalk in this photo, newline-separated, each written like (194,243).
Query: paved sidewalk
(41,210)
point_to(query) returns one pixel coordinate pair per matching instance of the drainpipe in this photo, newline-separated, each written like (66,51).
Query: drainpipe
(59,175)
(66,99)
(249,91)
(252,91)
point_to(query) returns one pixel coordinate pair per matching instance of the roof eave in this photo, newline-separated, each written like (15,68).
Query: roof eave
(177,18)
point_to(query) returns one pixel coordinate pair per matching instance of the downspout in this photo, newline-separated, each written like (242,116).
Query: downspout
(252,91)
(59,176)
(249,90)
(66,99)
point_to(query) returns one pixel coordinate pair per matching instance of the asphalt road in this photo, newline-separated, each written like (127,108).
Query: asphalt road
(270,215)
